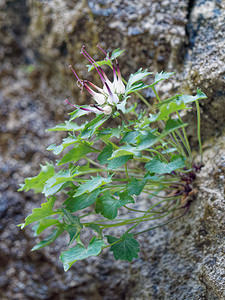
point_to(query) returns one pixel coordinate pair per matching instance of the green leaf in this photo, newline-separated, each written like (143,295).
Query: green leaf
(96,228)
(176,103)
(67,126)
(156,166)
(146,140)
(75,154)
(78,113)
(105,154)
(77,203)
(92,126)
(92,185)
(126,248)
(172,125)
(130,137)
(50,239)
(79,252)
(99,63)
(118,162)
(162,76)
(134,83)
(122,151)
(54,184)
(66,142)
(135,186)
(116,53)
(37,183)
(125,198)
(44,224)
(108,205)
(44,211)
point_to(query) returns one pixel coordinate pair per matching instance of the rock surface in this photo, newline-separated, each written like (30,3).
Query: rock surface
(39,39)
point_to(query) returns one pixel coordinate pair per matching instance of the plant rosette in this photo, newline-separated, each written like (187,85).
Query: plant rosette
(143,155)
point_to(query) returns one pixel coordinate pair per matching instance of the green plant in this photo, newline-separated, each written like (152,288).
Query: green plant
(144,154)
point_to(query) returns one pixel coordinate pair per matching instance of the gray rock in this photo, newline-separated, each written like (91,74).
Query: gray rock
(39,39)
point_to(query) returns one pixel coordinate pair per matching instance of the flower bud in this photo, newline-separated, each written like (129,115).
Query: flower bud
(107,110)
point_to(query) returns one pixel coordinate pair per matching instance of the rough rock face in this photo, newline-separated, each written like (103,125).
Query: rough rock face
(184,260)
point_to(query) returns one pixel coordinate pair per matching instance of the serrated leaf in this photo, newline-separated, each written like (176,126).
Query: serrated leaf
(75,154)
(108,205)
(105,154)
(118,162)
(67,126)
(127,247)
(54,184)
(92,185)
(176,103)
(162,76)
(66,142)
(44,211)
(125,198)
(50,239)
(79,252)
(135,187)
(74,204)
(134,83)
(37,183)
(92,126)
(156,166)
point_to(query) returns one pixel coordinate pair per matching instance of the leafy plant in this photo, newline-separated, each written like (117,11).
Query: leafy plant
(113,159)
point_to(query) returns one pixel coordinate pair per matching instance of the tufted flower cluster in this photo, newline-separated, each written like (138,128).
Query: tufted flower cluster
(109,95)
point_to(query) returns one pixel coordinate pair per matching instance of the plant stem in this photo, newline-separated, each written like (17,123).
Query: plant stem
(199,130)
(186,138)
(156,94)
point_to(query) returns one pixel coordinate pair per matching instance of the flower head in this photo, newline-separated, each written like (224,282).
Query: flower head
(109,95)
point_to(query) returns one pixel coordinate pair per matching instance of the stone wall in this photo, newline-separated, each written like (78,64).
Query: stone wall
(39,39)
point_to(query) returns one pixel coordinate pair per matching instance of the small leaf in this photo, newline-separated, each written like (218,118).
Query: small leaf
(77,203)
(66,142)
(125,198)
(116,53)
(75,154)
(92,185)
(79,252)
(108,205)
(50,239)
(67,126)
(37,183)
(162,76)
(92,126)
(105,154)
(54,184)
(176,103)
(127,247)
(156,166)
(118,162)
(99,64)
(134,83)
(44,211)
(78,113)
(44,224)
(135,186)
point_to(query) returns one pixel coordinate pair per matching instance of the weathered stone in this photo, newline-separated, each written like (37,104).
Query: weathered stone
(39,39)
